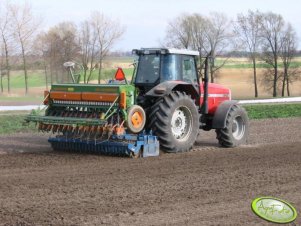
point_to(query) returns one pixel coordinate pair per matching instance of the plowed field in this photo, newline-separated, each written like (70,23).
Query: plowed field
(208,186)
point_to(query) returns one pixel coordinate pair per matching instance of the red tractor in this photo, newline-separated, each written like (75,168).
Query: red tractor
(178,104)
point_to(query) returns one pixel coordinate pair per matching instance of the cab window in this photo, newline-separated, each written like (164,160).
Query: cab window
(188,68)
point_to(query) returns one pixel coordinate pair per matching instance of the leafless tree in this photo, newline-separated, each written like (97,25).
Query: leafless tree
(272,26)
(41,49)
(88,40)
(198,37)
(179,32)
(5,37)
(187,31)
(219,38)
(247,29)
(25,25)
(108,32)
(287,53)
(210,35)
(2,73)
(60,44)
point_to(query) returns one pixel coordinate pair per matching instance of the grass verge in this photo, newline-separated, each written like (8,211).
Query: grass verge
(261,111)
(14,123)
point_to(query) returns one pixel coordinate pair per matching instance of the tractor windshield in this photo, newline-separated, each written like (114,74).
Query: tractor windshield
(154,68)
(148,69)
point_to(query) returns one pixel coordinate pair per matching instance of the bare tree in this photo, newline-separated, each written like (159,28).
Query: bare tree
(1,72)
(41,49)
(25,26)
(248,31)
(198,40)
(287,53)
(88,39)
(179,32)
(210,35)
(5,37)
(60,44)
(219,38)
(108,32)
(272,26)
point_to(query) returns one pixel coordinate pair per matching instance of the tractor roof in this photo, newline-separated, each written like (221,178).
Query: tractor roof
(165,51)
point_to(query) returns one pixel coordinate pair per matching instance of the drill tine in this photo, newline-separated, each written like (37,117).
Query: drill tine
(49,127)
(93,132)
(40,126)
(64,129)
(70,128)
(73,131)
(54,129)
(44,128)
(76,130)
(60,128)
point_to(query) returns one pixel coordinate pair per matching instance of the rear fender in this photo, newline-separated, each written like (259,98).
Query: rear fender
(219,118)
(165,88)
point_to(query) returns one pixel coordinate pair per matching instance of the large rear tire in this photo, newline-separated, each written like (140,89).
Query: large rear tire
(237,128)
(174,119)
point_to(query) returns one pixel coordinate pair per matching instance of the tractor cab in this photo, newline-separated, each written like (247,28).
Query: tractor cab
(156,66)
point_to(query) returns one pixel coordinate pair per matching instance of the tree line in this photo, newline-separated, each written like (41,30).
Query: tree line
(263,36)
(87,43)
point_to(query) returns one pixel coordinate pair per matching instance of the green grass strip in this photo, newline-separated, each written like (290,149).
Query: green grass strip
(261,111)
(14,123)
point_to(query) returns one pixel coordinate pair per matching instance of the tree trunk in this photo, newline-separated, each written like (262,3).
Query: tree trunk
(275,77)
(24,68)
(1,82)
(91,67)
(283,86)
(7,67)
(287,87)
(46,77)
(51,74)
(90,73)
(99,70)
(211,74)
(85,74)
(284,80)
(255,77)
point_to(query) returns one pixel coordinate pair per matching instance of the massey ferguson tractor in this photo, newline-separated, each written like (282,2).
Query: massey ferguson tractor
(164,106)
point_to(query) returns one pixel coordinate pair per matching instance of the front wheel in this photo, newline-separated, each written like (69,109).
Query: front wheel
(237,128)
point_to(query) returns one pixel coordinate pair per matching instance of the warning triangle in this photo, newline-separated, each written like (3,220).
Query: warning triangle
(119,76)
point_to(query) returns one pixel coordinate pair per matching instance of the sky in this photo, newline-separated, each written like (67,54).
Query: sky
(146,20)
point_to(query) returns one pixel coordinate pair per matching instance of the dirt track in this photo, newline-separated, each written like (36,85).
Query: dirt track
(207,186)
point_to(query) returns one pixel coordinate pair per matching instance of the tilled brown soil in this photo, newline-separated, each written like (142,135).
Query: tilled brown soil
(207,186)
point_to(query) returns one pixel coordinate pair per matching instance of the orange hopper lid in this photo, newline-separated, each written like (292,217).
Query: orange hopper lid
(119,76)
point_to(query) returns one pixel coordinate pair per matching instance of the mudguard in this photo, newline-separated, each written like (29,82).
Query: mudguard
(219,118)
(165,88)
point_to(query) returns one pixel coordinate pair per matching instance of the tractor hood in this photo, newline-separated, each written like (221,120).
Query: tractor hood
(216,95)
